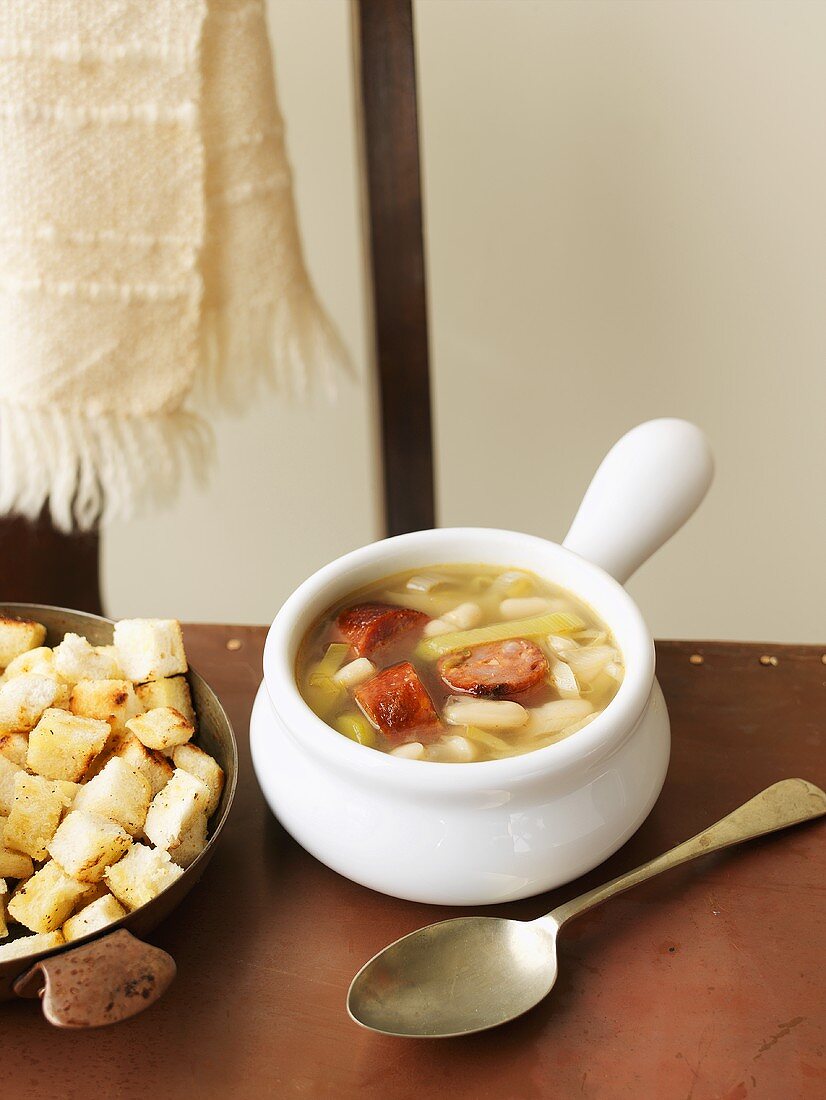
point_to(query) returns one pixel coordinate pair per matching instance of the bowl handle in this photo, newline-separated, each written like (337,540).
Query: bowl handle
(647,486)
(102,982)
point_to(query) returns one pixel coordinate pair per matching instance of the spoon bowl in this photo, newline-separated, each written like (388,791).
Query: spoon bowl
(456,977)
(472,973)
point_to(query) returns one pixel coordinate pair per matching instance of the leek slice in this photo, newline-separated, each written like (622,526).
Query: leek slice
(357,728)
(563,679)
(484,737)
(332,660)
(513,583)
(426,582)
(558,622)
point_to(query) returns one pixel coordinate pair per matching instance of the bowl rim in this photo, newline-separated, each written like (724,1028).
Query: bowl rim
(21,962)
(596,740)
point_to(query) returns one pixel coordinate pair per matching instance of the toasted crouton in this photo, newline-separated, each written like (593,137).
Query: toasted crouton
(154,765)
(192,842)
(8,772)
(62,745)
(190,758)
(174,809)
(14,747)
(35,815)
(17,636)
(106,910)
(77,659)
(120,793)
(112,701)
(24,699)
(30,945)
(47,899)
(141,875)
(93,891)
(150,649)
(162,728)
(172,691)
(13,864)
(4,890)
(86,844)
(40,660)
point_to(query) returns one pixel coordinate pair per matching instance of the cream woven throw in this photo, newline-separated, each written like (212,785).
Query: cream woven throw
(147,239)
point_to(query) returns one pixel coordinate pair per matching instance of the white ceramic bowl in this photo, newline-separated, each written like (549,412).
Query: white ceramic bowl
(490,831)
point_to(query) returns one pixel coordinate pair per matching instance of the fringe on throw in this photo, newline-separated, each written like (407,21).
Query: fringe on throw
(94,469)
(289,344)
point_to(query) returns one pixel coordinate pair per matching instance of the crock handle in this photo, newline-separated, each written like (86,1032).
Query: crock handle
(102,982)
(648,485)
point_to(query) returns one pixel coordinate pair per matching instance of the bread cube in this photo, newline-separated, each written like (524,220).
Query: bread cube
(62,745)
(93,891)
(190,758)
(106,910)
(13,864)
(4,890)
(162,728)
(192,842)
(14,746)
(35,815)
(47,900)
(25,698)
(112,701)
(150,649)
(86,844)
(40,660)
(148,762)
(174,809)
(17,636)
(172,691)
(30,945)
(77,659)
(8,772)
(120,793)
(141,875)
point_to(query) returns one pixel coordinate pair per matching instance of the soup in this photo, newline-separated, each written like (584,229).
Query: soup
(456,663)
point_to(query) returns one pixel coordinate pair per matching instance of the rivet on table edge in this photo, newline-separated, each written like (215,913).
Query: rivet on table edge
(767,660)
(234,644)
(696,659)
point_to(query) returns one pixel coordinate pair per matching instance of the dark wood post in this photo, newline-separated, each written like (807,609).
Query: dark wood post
(389,131)
(41,565)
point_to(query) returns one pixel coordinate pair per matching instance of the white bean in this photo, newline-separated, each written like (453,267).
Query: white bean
(488,714)
(436,627)
(464,617)
(523,607)
(556,715)
(355,673)
(413,750)
(458,748)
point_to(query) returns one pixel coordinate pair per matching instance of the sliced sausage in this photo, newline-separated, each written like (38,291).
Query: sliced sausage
(369,626)
(397,703)
(496,670)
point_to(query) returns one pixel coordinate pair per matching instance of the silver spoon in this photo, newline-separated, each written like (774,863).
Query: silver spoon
(472,973)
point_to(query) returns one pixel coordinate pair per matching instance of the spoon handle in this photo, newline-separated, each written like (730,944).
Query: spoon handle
(786,803)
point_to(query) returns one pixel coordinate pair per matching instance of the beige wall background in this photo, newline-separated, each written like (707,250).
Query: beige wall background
(624,220)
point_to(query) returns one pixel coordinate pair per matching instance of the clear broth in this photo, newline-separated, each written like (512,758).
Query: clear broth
(585,665)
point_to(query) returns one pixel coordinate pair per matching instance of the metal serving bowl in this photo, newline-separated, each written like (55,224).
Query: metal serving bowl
(112,975)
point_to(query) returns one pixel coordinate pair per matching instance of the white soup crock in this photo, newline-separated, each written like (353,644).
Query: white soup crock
(497,830)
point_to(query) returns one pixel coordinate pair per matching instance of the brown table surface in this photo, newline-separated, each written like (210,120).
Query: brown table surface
(706,982)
